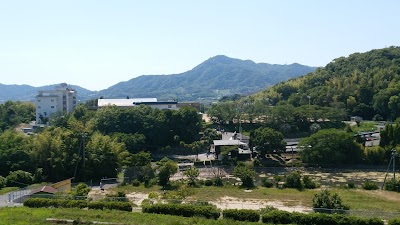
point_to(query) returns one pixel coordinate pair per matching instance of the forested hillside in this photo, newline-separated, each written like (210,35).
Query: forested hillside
(216,77)
(364,84)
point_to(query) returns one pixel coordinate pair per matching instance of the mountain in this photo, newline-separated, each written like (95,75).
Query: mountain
(364,84)
(27,93)
(216,77)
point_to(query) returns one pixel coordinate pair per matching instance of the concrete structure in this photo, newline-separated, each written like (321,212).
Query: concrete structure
(60,100)
(133,102)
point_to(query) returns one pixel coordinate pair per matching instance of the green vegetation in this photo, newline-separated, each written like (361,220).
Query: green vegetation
(282,217)
(185,210)
(241,215)
(363,84)
(33,216)
(7,190)
(324,200)
(331,147)
(245,173)
(267,140)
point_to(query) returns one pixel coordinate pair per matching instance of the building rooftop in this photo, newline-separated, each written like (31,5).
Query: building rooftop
(124,102)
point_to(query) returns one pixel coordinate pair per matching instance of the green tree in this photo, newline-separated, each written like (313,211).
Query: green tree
(245,173)
(14,152)
(324,200)
(331,146)
(19,178)
(81,190)
(267,140)
(166,168)
(192,175)
(104,156)
(293,180)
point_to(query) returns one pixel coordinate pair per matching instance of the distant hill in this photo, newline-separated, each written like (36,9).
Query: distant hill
(364,84)
(216,77)
(27,93)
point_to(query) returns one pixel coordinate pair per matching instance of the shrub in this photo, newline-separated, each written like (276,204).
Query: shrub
(3,182)
(122,206)
(277,217)
(268,209)
(96,205)
(267,183)
(208,183)
(135,183)
(81,190)
(392,185)
(245,174)
(293,180)
(369,185)
(218,182)
(351,185)
(241,215)
(375,221)
(57,203)
(394,222)
(153,195)
(185,210)
(19,178)
(324,200)
(309,183)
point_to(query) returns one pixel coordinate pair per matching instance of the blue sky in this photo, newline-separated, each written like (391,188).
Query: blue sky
(98,43)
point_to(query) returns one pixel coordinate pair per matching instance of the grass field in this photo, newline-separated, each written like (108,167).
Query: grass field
(357,199)
(33,216)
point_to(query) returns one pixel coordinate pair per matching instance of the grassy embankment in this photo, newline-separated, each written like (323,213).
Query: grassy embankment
(32,216)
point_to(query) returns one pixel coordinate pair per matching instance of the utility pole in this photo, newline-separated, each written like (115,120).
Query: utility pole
(394,154)
(83,148)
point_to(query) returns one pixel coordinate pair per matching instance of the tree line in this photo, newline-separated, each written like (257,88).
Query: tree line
(111,138)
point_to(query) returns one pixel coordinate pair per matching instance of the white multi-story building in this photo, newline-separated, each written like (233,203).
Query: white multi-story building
(60,100)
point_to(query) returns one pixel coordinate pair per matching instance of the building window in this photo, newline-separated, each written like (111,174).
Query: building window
(38,100)
(39,107)
(52,107)
(169,106)
(52,100)
(74,102)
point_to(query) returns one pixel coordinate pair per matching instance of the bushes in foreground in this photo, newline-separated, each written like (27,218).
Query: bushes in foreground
(61,203)
(394,222)
(185,210)
(56,203)
(283,217)
(241,215)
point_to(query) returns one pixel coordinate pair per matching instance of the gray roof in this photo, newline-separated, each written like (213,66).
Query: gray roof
(228,142)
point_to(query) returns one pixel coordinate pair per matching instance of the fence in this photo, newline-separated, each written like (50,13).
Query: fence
(17,196)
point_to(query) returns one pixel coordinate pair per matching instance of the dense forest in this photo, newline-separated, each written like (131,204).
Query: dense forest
(112,137)
(363,84)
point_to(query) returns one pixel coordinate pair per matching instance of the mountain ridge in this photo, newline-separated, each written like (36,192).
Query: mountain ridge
(217,76)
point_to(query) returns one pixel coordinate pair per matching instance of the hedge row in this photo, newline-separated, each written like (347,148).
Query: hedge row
(122,206)
(241,215)
(186,210)
(61,203)
(283,217)
(57,203)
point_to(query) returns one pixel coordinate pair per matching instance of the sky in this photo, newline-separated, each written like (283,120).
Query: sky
(98,43)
